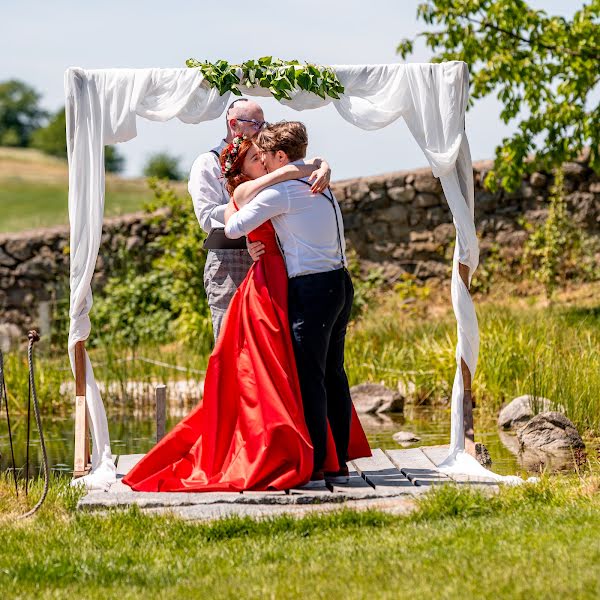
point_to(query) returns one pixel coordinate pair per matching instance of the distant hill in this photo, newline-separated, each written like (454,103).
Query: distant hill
(34,189)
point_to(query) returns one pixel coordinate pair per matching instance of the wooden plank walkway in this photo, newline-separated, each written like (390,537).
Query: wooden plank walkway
(389,480)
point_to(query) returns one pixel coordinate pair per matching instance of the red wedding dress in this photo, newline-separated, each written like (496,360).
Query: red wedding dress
(248,432)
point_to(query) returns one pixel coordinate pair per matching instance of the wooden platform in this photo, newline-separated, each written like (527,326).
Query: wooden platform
(389,480)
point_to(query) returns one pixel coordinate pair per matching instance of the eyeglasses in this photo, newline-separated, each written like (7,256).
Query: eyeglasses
(255,124)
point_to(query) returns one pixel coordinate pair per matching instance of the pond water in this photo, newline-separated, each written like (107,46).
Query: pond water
(132,435)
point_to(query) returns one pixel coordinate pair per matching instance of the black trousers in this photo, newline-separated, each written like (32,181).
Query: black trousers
(319,310)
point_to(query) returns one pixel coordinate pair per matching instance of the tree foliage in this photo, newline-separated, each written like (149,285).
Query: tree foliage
(52,140)
(20,113)
(160,297)
(544,69)
(163,166)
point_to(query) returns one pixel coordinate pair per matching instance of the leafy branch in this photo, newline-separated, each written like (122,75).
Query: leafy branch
(278,76)
(542,68)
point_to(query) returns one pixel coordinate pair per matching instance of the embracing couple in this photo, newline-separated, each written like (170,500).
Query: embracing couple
(276,412)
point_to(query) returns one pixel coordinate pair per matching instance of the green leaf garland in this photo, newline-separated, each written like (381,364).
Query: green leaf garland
(278,76)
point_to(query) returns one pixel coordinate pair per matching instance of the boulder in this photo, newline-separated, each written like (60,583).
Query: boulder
(371,398)
(537,461)
(405,438)
(550,431)
(517,412)
(482,454)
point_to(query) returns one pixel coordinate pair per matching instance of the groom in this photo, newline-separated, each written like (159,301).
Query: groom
(311,233)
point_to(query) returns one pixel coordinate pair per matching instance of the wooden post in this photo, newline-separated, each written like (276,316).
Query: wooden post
(463,271)
(82,434)
(161,411)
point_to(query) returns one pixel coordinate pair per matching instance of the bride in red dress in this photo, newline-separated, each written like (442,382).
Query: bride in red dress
(248,431)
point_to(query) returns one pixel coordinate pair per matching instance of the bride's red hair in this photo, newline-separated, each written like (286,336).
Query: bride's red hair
(234,175)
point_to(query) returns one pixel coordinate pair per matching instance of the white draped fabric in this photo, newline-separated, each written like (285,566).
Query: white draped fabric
(102,107)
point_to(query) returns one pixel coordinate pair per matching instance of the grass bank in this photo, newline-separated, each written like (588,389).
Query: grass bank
(534,541)
(34,191)
(527,347)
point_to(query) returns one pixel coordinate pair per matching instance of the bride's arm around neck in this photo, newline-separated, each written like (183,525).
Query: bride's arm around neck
(246,191)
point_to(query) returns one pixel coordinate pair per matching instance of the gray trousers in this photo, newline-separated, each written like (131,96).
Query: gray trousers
(224,271)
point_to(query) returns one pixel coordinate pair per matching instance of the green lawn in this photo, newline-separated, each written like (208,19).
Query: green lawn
(26,205)
(34,190)
(536,541)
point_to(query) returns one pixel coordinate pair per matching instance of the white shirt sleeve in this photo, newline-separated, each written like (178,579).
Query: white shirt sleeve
(268,204)
(206,190)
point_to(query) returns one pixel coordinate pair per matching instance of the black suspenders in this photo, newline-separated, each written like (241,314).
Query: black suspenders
(337,223)
(216,154)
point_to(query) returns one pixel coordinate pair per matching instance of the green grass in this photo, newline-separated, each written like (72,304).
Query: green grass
(525,349)
(26,205)
(34,191)
(534,541)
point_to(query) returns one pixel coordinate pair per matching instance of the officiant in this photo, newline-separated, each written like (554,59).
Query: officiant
(225,268)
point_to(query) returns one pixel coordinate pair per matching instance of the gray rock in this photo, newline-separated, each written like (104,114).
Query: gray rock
(444,233)
(538,461)
(404,194)
(520,410)
(6,260)
(394,180)
(482,455)
(415,216)
(21,249)
(426,200)
(405,438)
(371,398)
(550,431)
(397,214)
(573,170)
(427,183)
(538,180)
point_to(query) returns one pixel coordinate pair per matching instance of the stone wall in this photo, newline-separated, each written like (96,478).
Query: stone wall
(399,221)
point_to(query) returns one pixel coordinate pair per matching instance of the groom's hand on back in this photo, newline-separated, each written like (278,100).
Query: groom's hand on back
(255,249)
(320,178)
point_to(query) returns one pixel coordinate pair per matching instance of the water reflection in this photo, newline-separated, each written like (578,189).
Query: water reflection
(133,435)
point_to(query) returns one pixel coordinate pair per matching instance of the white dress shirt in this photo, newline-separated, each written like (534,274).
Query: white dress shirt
(207,189)
(305,224)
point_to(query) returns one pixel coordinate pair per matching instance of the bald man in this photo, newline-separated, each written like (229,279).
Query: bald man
(224,269)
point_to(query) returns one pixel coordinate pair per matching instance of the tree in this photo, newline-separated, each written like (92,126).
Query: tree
(544,70)
(114,161)
(163,166)
(52,140)
(20,113)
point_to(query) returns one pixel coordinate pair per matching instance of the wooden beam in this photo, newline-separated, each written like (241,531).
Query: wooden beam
(82,435)
(463,271)
(161,411)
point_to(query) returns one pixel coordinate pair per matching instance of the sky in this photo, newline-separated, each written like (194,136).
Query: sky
(40,39)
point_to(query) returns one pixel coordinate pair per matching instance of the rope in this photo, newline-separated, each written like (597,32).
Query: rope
(4,396)
(34,337)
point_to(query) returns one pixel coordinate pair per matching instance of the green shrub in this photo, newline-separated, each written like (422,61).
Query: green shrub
(163,166)
(152,297)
